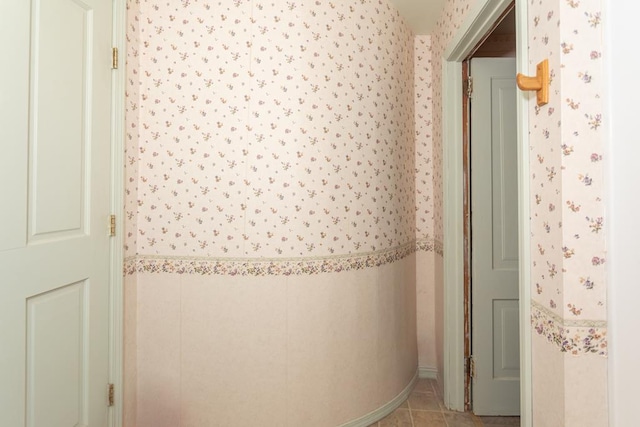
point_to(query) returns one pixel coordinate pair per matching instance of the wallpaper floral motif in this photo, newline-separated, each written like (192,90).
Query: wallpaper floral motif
(568,223)
(270,129)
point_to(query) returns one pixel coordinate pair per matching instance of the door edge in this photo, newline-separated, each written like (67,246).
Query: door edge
(116,303)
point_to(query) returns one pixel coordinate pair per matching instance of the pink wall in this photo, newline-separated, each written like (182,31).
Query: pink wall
(270,211)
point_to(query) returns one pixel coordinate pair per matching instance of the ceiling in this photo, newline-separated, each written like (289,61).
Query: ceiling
(421,15)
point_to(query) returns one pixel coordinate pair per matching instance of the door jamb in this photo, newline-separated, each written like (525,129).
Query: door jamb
(116,302)
(479,21)
(467,84)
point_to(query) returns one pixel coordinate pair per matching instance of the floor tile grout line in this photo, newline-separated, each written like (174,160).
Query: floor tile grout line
(409,406)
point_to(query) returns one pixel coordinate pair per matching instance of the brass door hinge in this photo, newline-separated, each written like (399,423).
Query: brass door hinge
(111,395)
(112,225)
(469,87)
(114,58)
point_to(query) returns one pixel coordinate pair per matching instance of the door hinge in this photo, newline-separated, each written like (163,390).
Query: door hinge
(114,58)
(112,225)
(111,395)
(469,87)
(470,365)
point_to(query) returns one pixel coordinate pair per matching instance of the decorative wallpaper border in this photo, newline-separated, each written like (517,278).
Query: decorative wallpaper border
(429,245)
(272,267)
(571,336)
(425,245)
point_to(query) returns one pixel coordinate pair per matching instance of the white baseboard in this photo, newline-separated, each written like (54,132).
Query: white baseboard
(427,372)
(385,409)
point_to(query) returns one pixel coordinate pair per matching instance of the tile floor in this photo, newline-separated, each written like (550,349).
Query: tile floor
(424,408)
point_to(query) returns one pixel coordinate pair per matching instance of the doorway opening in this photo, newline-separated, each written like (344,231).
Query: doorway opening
(479,24)
(490,213)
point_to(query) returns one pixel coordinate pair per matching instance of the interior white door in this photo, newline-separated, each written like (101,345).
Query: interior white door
(494,238)
(55,95)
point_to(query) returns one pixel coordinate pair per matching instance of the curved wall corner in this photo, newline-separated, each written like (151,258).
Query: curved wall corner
(270,212)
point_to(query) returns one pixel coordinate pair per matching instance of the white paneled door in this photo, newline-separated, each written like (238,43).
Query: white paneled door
(55,136)
(494,240)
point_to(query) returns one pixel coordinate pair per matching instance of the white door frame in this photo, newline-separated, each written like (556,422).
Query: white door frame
(116,303)
(479,21)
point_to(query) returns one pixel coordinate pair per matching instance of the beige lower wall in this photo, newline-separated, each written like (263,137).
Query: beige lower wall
(316,350)
(426,309)
(548,383)
(568,390)
(586,403)
(438,272)
(130,366)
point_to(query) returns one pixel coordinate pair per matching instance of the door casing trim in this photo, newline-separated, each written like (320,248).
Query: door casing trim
(116,301)
(479,21)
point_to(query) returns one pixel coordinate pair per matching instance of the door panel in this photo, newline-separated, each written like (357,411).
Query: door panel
(61,58)
(494,241)
(61,65)
(56,341)
(504,183)
(55,119)
(506,351)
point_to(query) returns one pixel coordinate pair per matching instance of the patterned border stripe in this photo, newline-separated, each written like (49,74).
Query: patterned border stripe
(272,267)
(575,337)
(425,245)
(438,247)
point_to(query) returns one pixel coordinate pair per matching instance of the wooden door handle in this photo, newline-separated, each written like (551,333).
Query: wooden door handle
(539,83)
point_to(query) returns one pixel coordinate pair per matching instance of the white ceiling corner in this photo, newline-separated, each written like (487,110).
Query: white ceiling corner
(421,15)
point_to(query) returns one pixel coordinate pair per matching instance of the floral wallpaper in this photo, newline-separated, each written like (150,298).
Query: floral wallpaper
(424,140)
(568,223)
(583,143)
(263,129)
(132,121)
(546,164)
